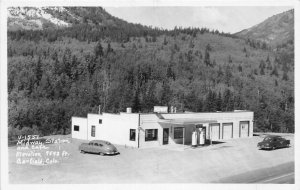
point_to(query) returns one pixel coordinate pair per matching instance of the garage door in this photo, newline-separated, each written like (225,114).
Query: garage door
(244,128)
(215,131)
(227,130)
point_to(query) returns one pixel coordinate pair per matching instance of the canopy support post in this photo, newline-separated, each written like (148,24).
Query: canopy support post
(183,135)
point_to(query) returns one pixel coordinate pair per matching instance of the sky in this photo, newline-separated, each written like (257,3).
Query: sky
(227,19)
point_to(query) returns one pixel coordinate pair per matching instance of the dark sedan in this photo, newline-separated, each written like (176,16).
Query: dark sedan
(98,147)
(273,142)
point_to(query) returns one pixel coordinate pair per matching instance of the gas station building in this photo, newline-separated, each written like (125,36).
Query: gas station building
(162,128)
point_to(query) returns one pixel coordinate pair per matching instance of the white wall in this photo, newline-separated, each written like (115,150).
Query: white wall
(93,119)
(82,123)
(115,128)
(150,121)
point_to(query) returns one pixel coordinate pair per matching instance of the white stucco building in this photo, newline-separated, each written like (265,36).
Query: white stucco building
(156,129)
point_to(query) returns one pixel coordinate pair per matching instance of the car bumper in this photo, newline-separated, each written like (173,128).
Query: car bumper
(264,147)
(110,153)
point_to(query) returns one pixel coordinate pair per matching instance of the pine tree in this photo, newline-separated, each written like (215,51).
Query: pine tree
(262,67)
(98,50)
(150,99)
(274,71)
(191,44)
(67,62)
(220,72)
(166,94)
(240,68)
(109,49)
(285,76)
(38,71)
(214,63)
(219,102)
(211,101)
(170,73)
(228,103)
(228,75)
(262,71)
(136,102)
(229,59)
(208,47)
(165,41)
(207,56)
(269,65)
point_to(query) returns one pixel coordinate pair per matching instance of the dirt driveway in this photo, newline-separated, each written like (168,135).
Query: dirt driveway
(152,165)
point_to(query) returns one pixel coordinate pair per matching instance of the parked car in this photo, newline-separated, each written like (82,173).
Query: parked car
(273,142)
(99,147)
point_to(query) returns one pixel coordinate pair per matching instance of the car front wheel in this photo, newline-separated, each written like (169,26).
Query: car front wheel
(101,153)
(81,151)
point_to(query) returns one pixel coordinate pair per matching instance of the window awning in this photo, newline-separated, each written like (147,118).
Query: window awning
(186,121)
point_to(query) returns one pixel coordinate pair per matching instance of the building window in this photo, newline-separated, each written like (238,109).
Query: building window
(178,132)
(100,121)
(76,127)
(132,135)
(93,131)
(150,134)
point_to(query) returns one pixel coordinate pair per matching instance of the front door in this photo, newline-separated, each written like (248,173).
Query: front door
(244,128)
(166,136)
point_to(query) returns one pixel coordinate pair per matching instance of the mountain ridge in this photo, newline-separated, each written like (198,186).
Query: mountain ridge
(275,30)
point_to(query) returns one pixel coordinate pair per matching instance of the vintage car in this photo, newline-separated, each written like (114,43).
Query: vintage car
(99,147)
(273,142)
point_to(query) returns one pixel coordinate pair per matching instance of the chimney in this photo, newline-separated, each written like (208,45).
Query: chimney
(128,110)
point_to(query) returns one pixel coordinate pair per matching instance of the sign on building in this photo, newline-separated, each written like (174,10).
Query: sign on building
(161,109)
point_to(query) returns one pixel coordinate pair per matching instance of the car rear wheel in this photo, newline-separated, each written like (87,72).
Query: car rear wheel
(273,148)
(101,153)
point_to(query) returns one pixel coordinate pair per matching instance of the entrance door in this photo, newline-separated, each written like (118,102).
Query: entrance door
(244,128)
(166,136)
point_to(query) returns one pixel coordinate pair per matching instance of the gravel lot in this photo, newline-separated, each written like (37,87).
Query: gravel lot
(152,165)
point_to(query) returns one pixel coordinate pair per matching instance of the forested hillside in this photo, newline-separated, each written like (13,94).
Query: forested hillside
(56,73)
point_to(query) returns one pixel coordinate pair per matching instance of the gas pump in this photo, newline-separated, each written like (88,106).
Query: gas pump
(194,138)
(202,132)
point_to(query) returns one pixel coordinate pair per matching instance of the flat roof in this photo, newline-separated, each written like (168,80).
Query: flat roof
(237,111)
(186,121)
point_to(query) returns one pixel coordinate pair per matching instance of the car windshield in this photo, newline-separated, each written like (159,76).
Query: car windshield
(108,143)
(267,138)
